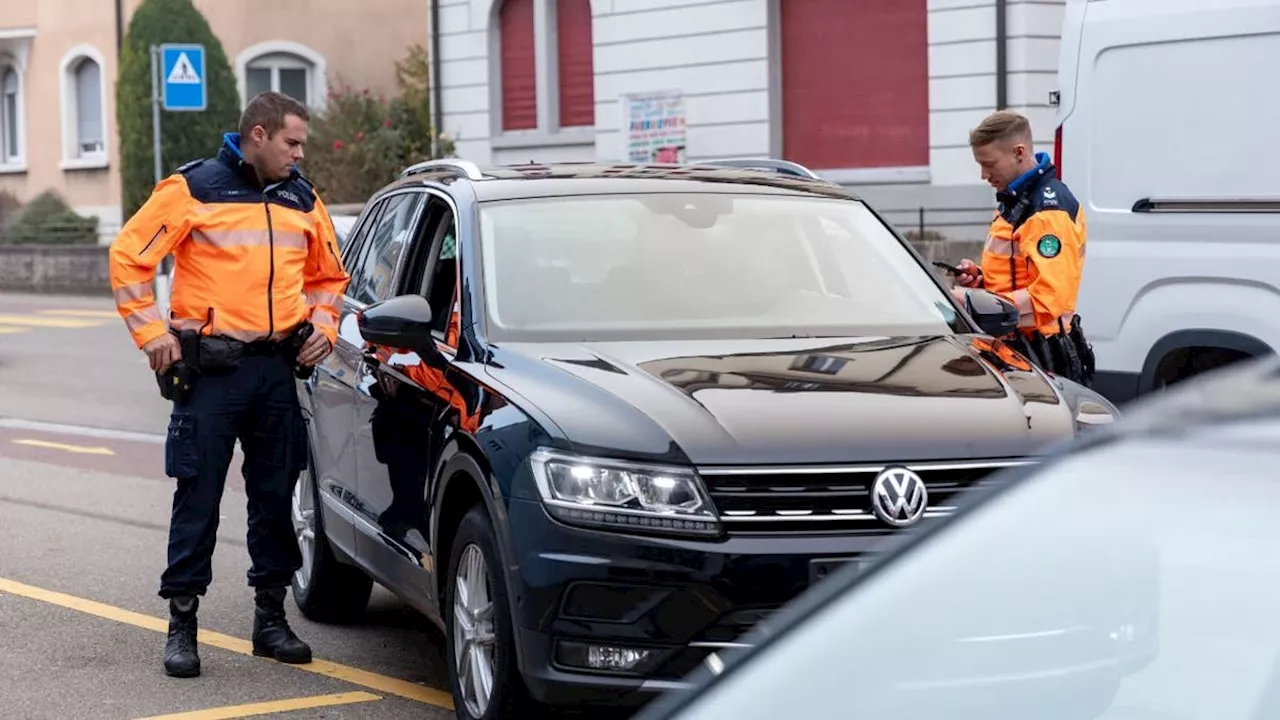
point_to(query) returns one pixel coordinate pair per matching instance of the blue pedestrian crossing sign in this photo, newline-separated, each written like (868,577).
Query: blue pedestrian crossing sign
(182,75)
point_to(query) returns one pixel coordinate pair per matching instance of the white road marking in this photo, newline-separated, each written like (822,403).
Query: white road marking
(81,430)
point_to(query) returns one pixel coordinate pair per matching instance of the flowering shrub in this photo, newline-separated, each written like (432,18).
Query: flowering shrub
(362,140)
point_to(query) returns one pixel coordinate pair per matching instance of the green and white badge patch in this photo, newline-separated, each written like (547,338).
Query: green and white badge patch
(1049,246)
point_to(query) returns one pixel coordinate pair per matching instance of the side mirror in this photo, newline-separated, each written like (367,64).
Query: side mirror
(400,322)
(995,315)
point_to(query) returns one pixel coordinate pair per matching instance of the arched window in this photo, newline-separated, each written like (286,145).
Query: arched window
(280,72)
(84,109)
(10,114)
(282,66)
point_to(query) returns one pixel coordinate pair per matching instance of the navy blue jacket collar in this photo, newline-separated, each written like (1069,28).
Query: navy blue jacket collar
(233,157)
(1027,180)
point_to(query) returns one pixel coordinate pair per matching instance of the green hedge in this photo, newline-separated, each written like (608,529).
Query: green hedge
(49,220)
(362,140)
(184,136)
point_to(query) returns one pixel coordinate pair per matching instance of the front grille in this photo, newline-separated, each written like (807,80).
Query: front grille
(830,500)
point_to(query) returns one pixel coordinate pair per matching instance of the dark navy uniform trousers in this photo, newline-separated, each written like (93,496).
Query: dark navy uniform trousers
(257,404)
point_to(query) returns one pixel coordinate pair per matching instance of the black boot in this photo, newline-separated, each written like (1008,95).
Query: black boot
(180,656)
(271,634)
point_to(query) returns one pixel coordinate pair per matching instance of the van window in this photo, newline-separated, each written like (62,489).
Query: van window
(1189,119)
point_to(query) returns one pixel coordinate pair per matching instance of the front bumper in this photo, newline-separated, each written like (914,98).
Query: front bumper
(680,600)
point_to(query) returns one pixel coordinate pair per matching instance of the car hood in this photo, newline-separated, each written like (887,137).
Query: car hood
(788,401)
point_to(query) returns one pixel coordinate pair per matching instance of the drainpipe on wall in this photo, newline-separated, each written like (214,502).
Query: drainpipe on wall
(437,113)
(119,27)
(1002,56)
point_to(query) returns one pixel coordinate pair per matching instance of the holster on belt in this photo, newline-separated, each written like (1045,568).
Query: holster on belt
(1084,350)
(176,381)
(1061,353)
(293,347)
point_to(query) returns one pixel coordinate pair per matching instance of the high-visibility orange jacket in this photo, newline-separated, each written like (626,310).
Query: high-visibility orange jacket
(252,263)
(1034,252)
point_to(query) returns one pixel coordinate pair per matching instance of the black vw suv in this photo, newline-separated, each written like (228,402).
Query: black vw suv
(598,420)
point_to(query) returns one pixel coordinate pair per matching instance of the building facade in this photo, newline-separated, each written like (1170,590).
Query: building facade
(878,95)
(58,66)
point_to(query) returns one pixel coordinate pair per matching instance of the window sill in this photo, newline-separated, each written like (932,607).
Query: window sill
(517,139)
(85,163)
(878,175)
(13,168)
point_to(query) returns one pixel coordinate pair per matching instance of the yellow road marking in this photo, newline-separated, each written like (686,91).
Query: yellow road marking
(355,676)
(9,330)
(105,314)
(49,322)
(275,706)
(83,449)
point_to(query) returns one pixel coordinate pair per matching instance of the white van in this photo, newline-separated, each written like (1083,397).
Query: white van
(1169,135)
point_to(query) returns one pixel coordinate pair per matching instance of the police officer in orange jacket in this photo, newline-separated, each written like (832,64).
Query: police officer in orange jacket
(255,301)
(1035,247)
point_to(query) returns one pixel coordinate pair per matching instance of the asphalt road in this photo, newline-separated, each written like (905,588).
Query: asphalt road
(83,525)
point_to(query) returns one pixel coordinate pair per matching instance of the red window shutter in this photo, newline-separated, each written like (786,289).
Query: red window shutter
(519,70)
(855,83)
(574,59)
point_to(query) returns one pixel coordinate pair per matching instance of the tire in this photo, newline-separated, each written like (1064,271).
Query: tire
(474,549)
(324,589)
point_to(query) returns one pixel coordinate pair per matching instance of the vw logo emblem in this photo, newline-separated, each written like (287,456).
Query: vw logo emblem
(899,497)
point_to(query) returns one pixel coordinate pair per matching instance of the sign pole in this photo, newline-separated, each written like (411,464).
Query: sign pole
(162,277)
(178,84)
(155,109)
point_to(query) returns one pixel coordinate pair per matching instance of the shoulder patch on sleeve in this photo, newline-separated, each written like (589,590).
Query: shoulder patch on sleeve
(1049,246)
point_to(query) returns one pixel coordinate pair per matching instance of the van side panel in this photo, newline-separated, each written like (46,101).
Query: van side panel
(1173,100)
(1069,58)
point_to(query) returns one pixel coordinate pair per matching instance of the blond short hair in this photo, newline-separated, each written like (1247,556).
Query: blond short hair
(1001,126)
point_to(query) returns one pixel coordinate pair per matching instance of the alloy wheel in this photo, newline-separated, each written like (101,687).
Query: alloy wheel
(474,635)
(304,527)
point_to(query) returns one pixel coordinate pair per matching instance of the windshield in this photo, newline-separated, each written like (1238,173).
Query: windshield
(1133,582)
(682,265)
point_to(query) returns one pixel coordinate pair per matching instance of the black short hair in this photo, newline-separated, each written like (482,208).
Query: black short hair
(269,109)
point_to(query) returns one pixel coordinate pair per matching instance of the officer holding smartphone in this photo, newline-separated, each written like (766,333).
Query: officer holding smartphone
(1035,248)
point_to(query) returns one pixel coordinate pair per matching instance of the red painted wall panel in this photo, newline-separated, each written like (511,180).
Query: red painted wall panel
(855,83)
(519,71)
(574,59)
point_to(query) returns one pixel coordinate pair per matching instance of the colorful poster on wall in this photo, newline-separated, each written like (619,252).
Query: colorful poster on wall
(655,127)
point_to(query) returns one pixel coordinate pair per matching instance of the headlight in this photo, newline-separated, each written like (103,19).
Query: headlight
(623,495)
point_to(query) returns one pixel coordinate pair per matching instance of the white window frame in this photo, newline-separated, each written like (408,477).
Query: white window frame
(15,49)
(72,157)
(548,133)
(267,55)
(17,162)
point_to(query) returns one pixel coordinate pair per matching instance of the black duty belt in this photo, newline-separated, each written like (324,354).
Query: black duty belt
(219,353)
(262,347)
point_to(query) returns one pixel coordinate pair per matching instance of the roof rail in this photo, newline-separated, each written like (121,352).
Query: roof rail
(786,167)
(461,168)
